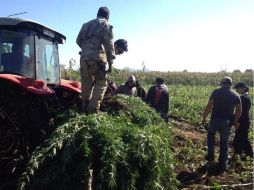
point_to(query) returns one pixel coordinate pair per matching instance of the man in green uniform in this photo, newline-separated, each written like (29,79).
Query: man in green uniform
(97,50)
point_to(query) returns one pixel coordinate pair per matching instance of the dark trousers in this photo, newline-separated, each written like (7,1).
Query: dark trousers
(241,142)
(223,127)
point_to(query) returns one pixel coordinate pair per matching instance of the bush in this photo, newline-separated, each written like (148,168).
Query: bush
(127,148)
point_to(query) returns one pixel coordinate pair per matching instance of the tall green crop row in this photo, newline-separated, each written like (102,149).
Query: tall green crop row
(171,77)
(188,102)
(128,148)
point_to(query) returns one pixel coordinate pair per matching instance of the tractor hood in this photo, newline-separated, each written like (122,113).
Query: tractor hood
(74,86)
(35,86)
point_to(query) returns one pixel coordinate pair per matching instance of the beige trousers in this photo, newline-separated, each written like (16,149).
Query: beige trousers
(93,84)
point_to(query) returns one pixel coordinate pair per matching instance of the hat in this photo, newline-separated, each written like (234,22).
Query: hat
(240,85)
(131,79)
(226,81)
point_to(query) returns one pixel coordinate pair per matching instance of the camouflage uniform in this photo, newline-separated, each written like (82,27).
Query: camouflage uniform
(96,42)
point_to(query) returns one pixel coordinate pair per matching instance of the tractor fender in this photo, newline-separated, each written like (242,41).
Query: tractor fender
(69,85)
(35,86)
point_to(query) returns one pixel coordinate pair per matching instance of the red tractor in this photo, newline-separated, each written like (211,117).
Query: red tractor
(31,89)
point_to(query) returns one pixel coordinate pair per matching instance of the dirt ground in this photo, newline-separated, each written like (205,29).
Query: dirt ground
(195,172)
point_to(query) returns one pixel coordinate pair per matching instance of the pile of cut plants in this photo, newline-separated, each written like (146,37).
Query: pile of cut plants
(128,147)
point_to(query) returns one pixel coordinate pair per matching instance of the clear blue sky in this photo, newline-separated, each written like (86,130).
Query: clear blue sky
(167,35)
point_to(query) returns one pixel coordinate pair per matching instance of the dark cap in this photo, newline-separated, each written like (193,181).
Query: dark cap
(159,80)
(226,81)
(103,12)
(240,85)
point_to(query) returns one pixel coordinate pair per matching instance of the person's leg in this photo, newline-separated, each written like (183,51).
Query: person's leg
(246,143)
(210,139)
(99,88)
(86,83)
(238,141)
(210,146)
(164,116)
(224,130)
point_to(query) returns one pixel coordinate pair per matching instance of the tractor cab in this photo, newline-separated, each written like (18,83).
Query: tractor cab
(29,49)
(29,57)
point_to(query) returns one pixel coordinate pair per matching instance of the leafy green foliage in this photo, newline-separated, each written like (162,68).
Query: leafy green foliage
(189,91)
(126,149)
(188,102)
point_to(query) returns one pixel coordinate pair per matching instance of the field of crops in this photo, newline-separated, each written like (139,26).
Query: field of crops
(130,146)
(188,102)
(189,93)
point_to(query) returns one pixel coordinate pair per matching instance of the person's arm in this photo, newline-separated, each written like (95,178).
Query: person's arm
(167,102)
(134,92)
(144,94)
(238,113)
(248,105)
(149,95)
(80,36)
(118,90)
(207,110)
(109,45)
(115,92)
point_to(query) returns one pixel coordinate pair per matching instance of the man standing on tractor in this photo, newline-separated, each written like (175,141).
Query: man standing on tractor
(222,103)
(97,50)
